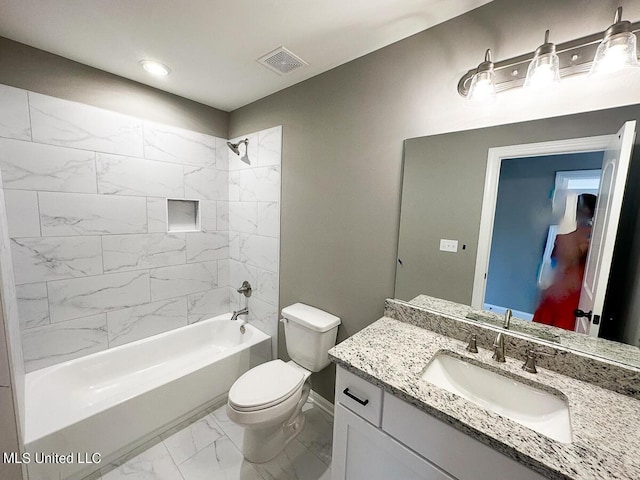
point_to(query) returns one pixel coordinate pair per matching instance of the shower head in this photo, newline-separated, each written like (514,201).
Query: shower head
(235,148)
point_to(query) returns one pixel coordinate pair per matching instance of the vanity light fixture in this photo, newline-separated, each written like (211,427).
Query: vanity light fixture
(483,85)
(617,50)
(155,68)
(615,47)
(544,69)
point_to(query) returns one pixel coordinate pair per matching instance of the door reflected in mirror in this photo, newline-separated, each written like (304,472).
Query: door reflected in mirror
(535,268)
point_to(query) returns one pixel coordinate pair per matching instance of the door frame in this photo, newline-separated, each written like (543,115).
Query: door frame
(490,196)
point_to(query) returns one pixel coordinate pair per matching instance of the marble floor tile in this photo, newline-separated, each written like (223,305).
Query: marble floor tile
(93,476)
(219,461)
(317,434)
(208,448)
(230,429)
(296,462)
(153,464)
(187,442)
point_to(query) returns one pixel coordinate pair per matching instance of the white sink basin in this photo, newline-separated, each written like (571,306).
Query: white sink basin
(536,409)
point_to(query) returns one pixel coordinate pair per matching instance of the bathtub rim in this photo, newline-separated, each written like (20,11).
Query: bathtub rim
(258,336)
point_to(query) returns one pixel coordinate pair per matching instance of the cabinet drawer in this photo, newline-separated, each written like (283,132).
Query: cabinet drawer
(460,455)
(359,396)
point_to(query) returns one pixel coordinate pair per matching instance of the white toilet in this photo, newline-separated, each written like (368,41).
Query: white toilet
(268,399)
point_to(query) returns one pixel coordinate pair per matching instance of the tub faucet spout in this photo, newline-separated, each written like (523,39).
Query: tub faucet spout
(237,313)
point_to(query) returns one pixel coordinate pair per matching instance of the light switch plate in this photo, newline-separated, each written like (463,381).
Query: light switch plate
(448,245)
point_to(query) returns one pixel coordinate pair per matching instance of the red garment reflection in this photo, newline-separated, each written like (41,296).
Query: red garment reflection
(560,300)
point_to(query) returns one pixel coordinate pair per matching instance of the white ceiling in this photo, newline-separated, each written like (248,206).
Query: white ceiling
(211,46)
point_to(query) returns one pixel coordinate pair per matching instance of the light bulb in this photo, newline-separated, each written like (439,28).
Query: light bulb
(543,75)
(544,69)
(483,88)
(483,83)
(155,68)
(617,51)
(615,54)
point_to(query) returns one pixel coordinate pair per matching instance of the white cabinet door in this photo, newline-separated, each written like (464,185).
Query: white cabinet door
(461,455)
(364,452)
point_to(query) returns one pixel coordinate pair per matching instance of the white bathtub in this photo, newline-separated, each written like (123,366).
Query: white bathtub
(111,400)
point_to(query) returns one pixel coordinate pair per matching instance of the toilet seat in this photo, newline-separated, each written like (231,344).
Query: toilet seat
(265,386)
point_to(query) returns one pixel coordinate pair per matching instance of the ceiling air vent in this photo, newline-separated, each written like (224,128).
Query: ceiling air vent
(282,61)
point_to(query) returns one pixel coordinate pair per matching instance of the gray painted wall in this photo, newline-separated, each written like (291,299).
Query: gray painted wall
(522,218)
(343,133)
(39,71)
(342,150)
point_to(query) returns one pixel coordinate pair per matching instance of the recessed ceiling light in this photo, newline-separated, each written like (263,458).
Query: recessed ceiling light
(155,68)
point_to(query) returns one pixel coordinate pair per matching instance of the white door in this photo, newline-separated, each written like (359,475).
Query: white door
(615,166)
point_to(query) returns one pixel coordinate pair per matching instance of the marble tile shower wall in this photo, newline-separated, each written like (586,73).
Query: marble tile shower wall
(254,227)
(95,266)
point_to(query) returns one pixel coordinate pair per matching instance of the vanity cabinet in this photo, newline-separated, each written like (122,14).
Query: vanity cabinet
(404,442)
(364,452)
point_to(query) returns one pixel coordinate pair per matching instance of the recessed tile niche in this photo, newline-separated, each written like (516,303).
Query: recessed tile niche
(183,215)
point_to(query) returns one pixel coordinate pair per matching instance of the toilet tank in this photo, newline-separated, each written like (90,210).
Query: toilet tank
(309,333)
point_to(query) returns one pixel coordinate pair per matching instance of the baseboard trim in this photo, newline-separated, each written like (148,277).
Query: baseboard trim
(322,403)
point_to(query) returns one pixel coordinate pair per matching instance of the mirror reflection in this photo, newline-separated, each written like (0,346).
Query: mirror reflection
(541,236)
(544,218)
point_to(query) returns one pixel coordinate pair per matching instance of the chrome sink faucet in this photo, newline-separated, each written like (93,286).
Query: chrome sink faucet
(498,343)
(498,348)
(507,318)
(237,313)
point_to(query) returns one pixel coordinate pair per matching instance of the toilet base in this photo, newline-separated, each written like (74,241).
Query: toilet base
(259,445)
(264,444)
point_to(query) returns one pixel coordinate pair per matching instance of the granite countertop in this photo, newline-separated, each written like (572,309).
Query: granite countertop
(606,442)
(615,351)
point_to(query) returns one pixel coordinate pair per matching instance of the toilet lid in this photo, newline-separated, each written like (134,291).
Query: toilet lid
(265,386)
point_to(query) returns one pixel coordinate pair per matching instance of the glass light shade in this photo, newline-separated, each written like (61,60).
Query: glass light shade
(543,71)
(615,53)
(483,87)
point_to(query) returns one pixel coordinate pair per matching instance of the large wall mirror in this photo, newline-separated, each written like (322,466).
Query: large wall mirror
(545,216)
